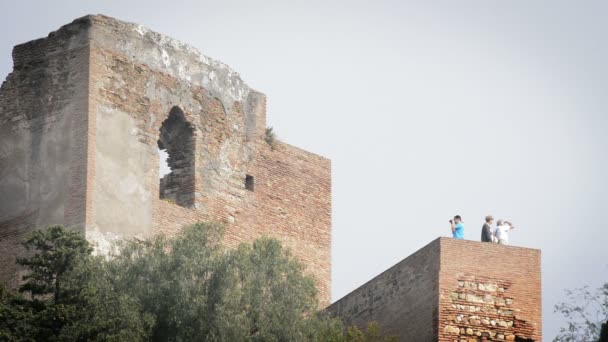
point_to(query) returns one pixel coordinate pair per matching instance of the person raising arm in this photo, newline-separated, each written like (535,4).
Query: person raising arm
(457,227)
(502,232)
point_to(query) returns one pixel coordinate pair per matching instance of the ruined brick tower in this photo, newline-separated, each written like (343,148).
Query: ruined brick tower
(83,116)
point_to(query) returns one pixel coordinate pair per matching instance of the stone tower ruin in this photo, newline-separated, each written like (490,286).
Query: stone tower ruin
(84,115)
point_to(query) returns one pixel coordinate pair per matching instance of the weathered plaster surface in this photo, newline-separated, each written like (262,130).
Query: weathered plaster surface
(105,244)
(43,118)
(172,57)
(121,198)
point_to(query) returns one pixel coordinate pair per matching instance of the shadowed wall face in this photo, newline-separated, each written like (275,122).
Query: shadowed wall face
(43,140)
(403,299)
(453,290)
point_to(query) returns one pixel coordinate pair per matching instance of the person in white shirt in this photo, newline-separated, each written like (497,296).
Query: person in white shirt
(502,232)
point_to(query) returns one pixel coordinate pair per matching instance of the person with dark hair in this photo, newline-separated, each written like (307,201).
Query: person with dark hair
(486,230)
(457,228)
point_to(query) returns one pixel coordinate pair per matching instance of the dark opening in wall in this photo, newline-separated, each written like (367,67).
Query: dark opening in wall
(177,140)
(249,182)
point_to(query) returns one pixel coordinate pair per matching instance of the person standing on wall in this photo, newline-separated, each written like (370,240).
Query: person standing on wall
(502,232)
(486,231)
(457,228)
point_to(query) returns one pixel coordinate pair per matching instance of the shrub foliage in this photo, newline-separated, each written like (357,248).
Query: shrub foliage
(188,288)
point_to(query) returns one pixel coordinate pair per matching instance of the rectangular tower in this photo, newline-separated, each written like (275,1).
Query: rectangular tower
(453,290)
(84,116)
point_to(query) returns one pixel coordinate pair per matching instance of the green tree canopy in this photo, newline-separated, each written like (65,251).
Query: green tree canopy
(194,287)
(188,288)
(68,296)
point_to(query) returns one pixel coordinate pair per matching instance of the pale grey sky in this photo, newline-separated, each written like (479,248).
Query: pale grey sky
(427,109)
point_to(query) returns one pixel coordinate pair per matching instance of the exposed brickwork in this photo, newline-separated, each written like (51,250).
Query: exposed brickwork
(130,80)
(489,290)
(43,140)
(454,290)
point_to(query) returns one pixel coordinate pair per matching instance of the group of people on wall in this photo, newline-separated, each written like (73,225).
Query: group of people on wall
(499,235)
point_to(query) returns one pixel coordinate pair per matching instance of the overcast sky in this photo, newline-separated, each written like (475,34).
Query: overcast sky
(427,109)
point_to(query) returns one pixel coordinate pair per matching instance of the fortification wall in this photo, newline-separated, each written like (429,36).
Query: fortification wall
(43,140)
(489,290)
(453,290)
(402,300)
(140,91)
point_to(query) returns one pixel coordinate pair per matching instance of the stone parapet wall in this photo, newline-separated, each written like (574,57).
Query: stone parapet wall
(489,291)
(402,300)
(453,290)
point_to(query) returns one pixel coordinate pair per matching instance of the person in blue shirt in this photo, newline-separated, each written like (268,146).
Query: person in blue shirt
(457,228)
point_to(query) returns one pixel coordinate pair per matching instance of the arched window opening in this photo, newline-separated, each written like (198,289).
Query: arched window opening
(176,147)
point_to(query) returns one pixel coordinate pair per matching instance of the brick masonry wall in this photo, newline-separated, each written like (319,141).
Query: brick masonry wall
(489,291)
(43,140)
(123,81)
(454,291)
(292,188)
(403,299)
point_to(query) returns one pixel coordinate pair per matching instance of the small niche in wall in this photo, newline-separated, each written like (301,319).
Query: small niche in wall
(249,182)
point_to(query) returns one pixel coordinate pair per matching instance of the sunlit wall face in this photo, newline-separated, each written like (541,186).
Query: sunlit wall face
(426,110)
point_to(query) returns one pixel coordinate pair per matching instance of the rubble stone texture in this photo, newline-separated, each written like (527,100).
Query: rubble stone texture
(83,116)
(453,290)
